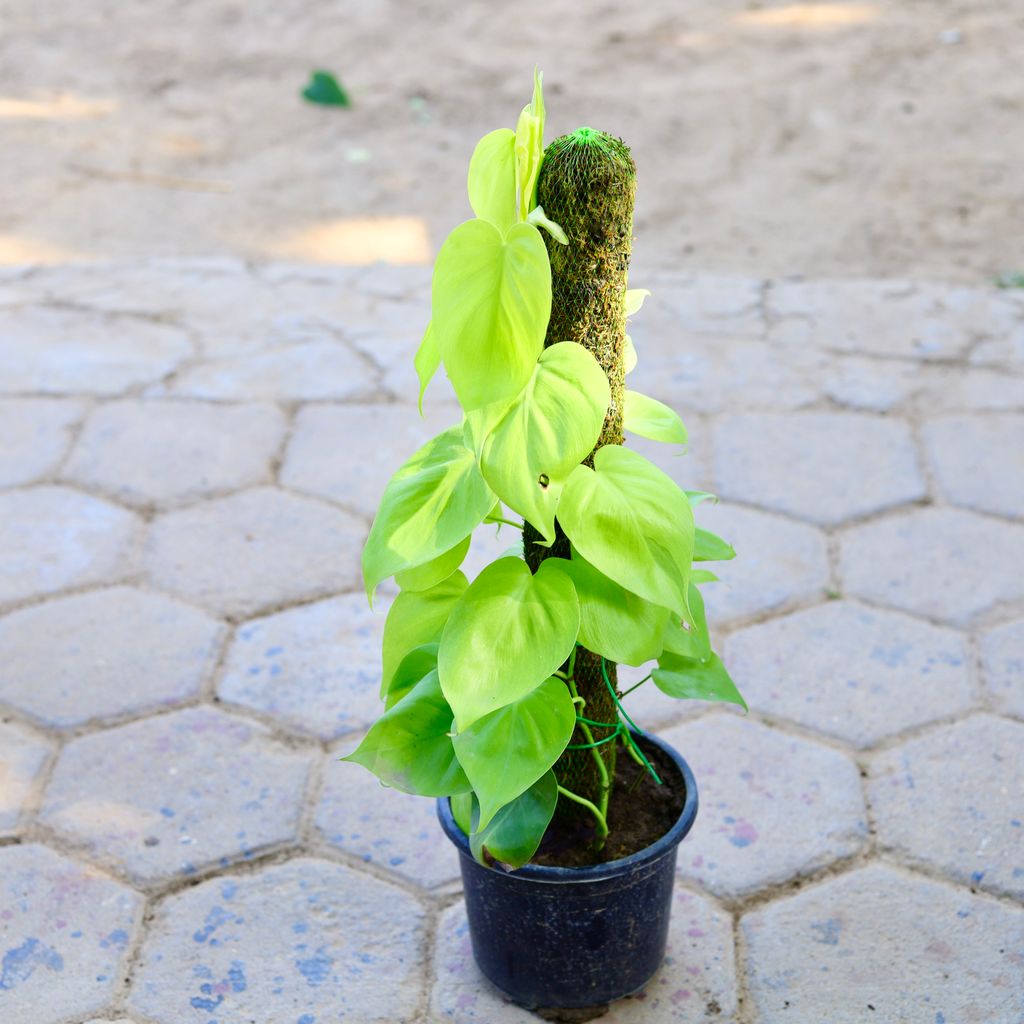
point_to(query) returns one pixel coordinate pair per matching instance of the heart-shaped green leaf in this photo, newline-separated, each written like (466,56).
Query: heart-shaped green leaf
(491,299)
(708,547)
(437,570)
(416,618)
(689,678)
(508,633)
(613,622)
(426,361)
(689,639)
(529,446)
(507,751)
(325,90)
(429,506)
(409,748)
(650,418)
(492,179)
(417,664)
(515,832)
(529,145)
(635,300)
(632,523)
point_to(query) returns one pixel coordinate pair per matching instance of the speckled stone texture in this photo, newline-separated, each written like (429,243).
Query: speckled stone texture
(857,673)
(203,449)
(954,801)
(315,668)
(776,808)
(304,941)
(177,794)
(65,931)
(103,653)
(888,945)
(239,555)
(192,452)
(391,830)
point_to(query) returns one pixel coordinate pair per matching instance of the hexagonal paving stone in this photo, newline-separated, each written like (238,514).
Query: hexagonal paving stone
(979,461)
(940,562)
(53,538)
(778,563)
(22,756)
(104,653)
(305,941)
(65,929)
(821,466)
(954,800)
(888,318)
(880,944)
(1002,654)
(349,452)
(309,371)
(251,551)
(696,982)
(36,433)
(393,830)
(204,449)
(57,352)
(773,807)
(316,667)
(177,793)
(851,671)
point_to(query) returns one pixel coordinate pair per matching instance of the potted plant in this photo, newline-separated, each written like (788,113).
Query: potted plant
(500,694)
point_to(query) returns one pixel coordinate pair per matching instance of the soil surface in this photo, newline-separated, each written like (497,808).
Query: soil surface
(823,138)
(640,812)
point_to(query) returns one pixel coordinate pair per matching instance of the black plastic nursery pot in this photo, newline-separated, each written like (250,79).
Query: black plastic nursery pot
(574,938)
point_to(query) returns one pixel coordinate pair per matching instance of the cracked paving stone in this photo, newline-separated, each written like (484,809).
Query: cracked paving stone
(65,930)
(942,563)
(299,943)
(881,944)
(979,461)
(778,563)
(954,800)
(385,827)
(22,757)
(249,552)
(853,672)
(36,433)
(773,807)
(309,371)
(204,449)
(54,538)
(55,352)
(103,653)
(825,467)
(1002,656)
(696,982)
(316,668)
(177,793)
(347,453)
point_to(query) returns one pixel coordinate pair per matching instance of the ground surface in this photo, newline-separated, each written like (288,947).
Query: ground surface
(845,138)
(191,456)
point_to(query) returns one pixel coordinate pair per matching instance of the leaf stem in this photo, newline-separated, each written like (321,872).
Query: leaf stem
(602,823)
(507,522)
(636,685)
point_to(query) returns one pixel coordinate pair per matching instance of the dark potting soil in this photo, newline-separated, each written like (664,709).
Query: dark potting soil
(640,812)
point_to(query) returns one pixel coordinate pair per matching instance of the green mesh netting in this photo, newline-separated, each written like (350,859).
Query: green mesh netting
(587,184)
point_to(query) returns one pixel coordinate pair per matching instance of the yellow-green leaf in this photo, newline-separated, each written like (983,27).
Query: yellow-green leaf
(492,179)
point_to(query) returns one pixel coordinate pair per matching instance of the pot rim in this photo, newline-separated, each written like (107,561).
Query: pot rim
(595,872)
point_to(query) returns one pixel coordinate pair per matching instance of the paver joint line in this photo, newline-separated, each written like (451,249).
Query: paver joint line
(874,610)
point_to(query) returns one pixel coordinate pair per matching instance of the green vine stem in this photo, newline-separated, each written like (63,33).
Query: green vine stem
(599,816)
